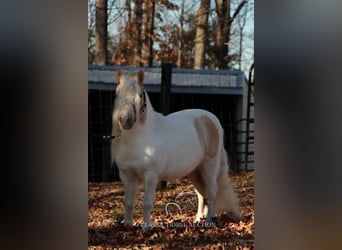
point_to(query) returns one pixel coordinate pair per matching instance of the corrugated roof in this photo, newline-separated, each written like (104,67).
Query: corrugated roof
(183,80)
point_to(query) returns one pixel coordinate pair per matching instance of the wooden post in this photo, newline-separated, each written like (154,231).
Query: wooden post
(165,93)
(165,88)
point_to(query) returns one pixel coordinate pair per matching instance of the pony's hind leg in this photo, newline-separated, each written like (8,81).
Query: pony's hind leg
(150,182)
(202,209)
(212,189)
(200,188)
(130,190)
(209,172)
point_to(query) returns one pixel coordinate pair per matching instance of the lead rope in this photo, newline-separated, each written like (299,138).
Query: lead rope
(111,137)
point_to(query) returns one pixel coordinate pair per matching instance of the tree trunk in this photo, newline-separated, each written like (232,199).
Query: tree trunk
(128,40)
(224,21)
(150,56)
(137,32)
(242,22)
(180,35)
(201,33)
(129,11)
(101,32)
(222,34)
(148,32)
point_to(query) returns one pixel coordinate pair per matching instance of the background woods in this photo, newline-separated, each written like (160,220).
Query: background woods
(190,34)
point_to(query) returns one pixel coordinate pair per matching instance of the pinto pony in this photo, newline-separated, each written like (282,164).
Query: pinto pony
(149,147)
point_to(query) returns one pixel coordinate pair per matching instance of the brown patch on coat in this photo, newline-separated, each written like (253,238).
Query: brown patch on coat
(208,134)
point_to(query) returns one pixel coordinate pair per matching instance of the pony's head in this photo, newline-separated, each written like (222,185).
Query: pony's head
(130,99)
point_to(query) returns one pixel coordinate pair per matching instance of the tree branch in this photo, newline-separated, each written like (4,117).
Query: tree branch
(237,11)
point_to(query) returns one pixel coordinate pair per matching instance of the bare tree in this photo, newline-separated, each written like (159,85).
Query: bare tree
(222,33)
(241,43)
(188,34)
(150,54)
(224,21)
(101,32)
(180,35)
(149,13)
(241,20)
(137,32)
(201,33)
(91,33)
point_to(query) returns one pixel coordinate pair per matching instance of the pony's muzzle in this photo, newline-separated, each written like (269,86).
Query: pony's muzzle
(126,121)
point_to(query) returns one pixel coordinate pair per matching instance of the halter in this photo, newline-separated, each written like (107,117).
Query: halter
(141,110)
(143,106)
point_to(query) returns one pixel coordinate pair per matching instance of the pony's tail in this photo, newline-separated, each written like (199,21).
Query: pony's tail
(226,200)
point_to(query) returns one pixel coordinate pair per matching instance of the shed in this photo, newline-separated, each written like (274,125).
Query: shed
(220,92)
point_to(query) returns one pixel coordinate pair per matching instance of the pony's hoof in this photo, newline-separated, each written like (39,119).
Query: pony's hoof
(234,217)
(199,218)
(129,227)
(146,226)
(210,219)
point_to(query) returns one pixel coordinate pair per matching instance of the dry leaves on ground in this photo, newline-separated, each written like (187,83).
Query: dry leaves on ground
(174,210)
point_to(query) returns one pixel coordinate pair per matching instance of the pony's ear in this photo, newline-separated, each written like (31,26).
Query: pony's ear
(118,76)
(140,77)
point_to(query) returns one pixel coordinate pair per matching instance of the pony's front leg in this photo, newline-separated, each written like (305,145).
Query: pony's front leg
(150,181)
(130,190)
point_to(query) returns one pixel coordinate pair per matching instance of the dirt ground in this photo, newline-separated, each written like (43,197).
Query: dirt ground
(173,214)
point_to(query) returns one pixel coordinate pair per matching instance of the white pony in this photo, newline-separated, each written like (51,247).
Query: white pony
(149,147)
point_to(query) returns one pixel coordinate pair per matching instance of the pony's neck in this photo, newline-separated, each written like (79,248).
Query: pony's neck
(149,107)
(149,115)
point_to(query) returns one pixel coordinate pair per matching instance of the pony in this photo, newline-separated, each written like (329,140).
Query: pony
(148,147)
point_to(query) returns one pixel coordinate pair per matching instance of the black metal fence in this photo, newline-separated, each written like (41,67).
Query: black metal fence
(100,123)
(245,143)
(100,106)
